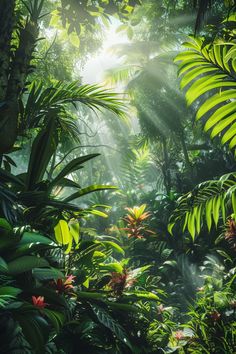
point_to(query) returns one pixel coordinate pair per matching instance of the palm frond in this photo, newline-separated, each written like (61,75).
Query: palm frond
(208,200)
(58,97)
(137,167)
(208,75)
(121,74)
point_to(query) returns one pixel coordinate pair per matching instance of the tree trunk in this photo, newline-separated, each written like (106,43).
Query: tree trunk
(166,167)
(185,151)
(7,22)
(18,70)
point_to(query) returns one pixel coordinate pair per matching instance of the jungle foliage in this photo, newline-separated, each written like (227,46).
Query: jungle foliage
(103,249)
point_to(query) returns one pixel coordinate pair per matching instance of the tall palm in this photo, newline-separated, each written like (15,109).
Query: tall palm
(160,106)
(58,100)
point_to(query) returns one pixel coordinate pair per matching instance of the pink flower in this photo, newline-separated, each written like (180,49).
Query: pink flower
(69,280)
(64,286)
(179,335)
(39,301)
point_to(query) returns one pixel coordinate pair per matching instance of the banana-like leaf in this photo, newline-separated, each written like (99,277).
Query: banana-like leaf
(114,246)
(56,318)
(66,235)
(71,167)
(87,190)
(111,267)
(44,146)
(62,233)
(31,242)
(105,318)
(25,264)
(47,273)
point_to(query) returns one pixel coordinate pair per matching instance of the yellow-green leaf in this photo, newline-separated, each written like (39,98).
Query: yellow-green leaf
(62,233)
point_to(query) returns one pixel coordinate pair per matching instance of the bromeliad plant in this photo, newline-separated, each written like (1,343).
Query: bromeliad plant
(32,313)
(212,317)
(37,297)
(136,222)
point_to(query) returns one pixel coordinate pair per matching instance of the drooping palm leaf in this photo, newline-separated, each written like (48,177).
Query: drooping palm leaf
(208,74)
(205,203)
(57,97)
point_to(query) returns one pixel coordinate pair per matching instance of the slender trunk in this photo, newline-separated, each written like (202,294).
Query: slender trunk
(185,151)
(166,167)
(52,167)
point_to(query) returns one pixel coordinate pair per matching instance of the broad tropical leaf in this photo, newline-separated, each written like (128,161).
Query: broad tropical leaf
(72,166)
(88,190)
(105,318)
(44,146)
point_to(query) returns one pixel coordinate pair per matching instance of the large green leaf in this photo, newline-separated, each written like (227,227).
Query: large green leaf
(138,295)
(56,318)
(111,267)
(44,146)
(87,190)
(9,290)
(105,318)
(25,264)
(47,273)
(114,246)
(7,238)
(35,329)
(71,167)
(31,242)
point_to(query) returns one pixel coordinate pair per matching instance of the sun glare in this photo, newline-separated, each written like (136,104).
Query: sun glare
(104,59)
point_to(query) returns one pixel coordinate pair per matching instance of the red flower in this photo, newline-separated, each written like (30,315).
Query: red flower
(179,335)
(64,286)
(39,301)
